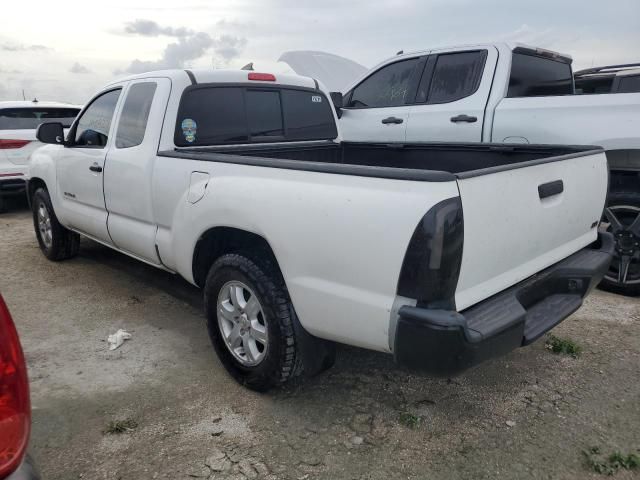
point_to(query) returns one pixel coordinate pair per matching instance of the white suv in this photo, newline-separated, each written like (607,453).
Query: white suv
(18,123)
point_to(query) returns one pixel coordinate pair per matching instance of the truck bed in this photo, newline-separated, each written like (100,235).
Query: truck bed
(416,161)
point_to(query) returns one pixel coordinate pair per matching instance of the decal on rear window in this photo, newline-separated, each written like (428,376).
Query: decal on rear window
(316,99)
(189,129)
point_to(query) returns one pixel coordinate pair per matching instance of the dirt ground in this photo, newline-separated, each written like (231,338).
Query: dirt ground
(527,415)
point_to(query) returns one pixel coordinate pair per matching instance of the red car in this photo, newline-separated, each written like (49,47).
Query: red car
(15,406)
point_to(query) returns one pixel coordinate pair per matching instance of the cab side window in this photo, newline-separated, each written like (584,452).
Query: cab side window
(135,113)
(455,76)
(388,87)
(93,126)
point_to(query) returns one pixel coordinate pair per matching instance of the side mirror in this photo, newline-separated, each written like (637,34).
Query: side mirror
(50,132)
(336,98)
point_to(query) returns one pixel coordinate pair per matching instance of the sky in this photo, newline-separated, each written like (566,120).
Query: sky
(67,50)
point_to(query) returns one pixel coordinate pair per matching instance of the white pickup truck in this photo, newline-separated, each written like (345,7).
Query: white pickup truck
(502,93)
(444,255)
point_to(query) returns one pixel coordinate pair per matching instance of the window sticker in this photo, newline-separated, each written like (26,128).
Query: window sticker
(189,129)
(316,99)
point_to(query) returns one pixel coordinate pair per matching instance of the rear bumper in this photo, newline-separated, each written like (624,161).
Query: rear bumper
(445,343)
(12,186)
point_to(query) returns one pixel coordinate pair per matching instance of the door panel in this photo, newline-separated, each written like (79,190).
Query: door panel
(444,116)
(80,166)
(365,125)
(376,109)
(129,167)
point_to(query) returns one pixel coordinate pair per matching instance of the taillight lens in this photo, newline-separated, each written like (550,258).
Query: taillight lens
(15,409)
(7,144)
(263,77)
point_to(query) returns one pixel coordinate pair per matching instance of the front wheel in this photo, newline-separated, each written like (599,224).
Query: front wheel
(250,320)
(56,242)
(622,219)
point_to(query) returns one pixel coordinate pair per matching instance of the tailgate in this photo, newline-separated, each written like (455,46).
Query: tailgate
(522,220)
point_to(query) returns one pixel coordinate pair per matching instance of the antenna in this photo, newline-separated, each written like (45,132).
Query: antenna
(23,95)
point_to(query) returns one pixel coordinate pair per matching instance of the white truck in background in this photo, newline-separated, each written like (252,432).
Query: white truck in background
(239,182)
(501,93)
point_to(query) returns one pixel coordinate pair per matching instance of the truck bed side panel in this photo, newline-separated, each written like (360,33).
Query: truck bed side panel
(611,121)
(339,239)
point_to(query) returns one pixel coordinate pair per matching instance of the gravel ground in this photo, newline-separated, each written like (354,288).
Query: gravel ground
(527,415)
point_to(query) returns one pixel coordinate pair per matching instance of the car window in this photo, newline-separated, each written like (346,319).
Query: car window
(135,113)
(629,84)
(264,113)
(533,76)
(455,76)
(388,87)
(211,115)
(308,116)
(30,118)
(93,126)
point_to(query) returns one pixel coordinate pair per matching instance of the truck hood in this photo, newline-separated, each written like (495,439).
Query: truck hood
(335,72)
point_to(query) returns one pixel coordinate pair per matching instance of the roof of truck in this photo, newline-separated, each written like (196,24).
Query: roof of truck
(223,76)
(36,104)
(610,70)
(506,45)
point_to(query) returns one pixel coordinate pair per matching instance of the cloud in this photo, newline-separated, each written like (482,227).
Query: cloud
(79,68)
(9,72)
(189,45)
(175,54)
(17,47)
(149,28)
(229,46)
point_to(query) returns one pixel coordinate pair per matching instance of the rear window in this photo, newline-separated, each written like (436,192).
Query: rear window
(533,76)
(213,115)
(30,118)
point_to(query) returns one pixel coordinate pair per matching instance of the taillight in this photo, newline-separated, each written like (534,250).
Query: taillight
(15,409)
(263,77)
(6,144)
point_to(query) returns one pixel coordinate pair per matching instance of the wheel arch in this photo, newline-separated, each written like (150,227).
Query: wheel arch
(32,185)
(218,241)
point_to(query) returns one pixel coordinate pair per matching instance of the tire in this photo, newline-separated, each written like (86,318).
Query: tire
(279,359)
(623,208)
(3,204)
(56,242)
(286,345)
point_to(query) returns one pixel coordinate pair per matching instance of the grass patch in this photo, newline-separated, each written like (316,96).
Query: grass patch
(609,465)
(563,345)
(116,427)
(409,419)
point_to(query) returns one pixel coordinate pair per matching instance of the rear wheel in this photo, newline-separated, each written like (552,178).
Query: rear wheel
(56,242)
(250,321)
(622,219)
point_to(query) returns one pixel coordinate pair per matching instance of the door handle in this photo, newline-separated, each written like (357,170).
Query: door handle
(392,120)
(550,189)
(95,168)
(464,118)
